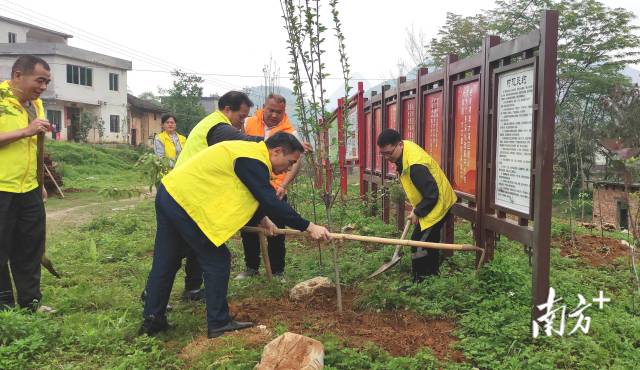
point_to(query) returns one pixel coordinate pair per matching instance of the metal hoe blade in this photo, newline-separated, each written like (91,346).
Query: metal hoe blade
(396,254)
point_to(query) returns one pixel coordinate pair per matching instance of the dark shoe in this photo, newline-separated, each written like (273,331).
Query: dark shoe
(279,276)
(405,288)
(154,325)
(248,273)
(231,326)
(193,295)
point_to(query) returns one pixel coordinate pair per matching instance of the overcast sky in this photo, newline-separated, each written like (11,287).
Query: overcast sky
(238,37)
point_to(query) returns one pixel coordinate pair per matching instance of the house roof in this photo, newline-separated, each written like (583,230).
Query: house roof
(55,48)
(615,185)
(25,24)
(144,105)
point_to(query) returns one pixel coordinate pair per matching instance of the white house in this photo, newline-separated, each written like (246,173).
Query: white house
(82,81)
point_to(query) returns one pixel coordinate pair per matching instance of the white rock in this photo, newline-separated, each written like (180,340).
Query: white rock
(292,351)
(309,287)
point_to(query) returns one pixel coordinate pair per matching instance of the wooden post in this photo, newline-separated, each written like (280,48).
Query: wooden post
(264,250)
(53,179)
(337,272)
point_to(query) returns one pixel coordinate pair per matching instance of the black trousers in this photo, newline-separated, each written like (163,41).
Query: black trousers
(276,248)
(22,236)
(176,236)
(192,270)
(192,273)
(426,261)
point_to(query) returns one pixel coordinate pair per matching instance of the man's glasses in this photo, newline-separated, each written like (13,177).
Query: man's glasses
(388,153)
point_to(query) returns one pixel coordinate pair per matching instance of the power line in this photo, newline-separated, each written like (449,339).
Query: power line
(103,42)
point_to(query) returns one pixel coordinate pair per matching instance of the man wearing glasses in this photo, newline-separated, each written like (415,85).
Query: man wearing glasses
(429,192)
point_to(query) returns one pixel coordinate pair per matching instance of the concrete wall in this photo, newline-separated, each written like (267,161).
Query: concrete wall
(20,31)
(97,99)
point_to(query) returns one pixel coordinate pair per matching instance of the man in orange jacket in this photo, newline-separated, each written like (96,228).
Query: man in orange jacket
(266,122)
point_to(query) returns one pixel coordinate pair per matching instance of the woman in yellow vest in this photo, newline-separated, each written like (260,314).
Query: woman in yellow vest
(201,204)
(429,192)
(169,143)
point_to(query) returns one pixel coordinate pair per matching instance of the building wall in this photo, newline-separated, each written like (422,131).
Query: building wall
(35,35)
(146,124)
(96,99)
(20,31)
(605,205)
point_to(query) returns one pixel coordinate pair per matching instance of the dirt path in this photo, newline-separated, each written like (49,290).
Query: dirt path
(62,218)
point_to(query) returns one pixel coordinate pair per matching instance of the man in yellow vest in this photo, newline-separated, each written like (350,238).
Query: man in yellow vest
(201,204)
(429,192)
(272,118)
(22,214)
(221,125)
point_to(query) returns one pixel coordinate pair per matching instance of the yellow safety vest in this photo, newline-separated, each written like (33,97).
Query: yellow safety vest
(197,140)
(19,159)
(169,146)
(413,154)
(207,188)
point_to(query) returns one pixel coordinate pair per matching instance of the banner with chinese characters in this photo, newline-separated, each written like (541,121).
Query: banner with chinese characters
(409,120)
(377,123)
(352,135)
(433,125)
(391,123)
(368,128)
(465,145)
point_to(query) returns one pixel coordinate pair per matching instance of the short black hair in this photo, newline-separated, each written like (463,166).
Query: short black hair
(388,136)
(277,97)
(166,116)
(27,63)
(233,100)
(288,142)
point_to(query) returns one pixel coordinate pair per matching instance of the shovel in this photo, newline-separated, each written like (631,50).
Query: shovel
(396,254)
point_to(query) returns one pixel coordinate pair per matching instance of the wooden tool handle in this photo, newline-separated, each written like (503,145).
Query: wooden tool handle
(373,239)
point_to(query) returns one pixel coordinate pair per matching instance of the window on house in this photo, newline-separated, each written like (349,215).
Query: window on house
(79,75)
(114,123)
(113,81)
(12,38)
(55,118)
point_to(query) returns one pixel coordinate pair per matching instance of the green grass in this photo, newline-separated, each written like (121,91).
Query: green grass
(105,263)
(95,167)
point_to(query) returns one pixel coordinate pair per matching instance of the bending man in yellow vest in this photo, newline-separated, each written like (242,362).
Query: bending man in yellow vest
(22,214)
(222,125)
(272,118)
(428,191)
(169,142)
(201,204)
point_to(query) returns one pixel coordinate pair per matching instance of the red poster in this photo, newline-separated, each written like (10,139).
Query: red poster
(465,144)
(367,148)
(377,122)
(391,117)
(409,120)
(433,125)
(391,123)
